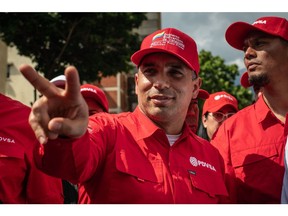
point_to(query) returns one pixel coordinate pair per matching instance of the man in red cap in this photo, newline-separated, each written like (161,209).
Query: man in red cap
(252,142)
(146,156)
(20,180)
(95,98)
(217,108)
(192,118)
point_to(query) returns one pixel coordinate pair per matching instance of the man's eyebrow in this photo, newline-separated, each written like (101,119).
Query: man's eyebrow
(176,66)
(147,64)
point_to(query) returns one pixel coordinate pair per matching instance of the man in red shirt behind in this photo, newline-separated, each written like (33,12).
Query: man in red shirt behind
(146,156)
(20,181)
(252,141)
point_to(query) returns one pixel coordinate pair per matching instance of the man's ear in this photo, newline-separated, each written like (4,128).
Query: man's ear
(204,119)
(136,83)
(196,84)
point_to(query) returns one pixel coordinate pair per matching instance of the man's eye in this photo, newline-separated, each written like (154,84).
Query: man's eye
(258,43)
(176,73)
(149,71)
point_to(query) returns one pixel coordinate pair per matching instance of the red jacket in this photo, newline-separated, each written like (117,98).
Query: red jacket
(127,159)
(252,144)
(20,181)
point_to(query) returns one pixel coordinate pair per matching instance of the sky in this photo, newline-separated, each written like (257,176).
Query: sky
(208,30)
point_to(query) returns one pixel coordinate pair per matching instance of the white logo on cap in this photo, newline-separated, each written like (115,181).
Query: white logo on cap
(195,162)
(170,39)
(259,22)
(218,97)
(89,89)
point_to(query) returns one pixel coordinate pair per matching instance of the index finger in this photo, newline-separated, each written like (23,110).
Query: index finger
(40,83)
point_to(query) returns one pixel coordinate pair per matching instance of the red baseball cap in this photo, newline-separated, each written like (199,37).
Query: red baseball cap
(244,80)
(237,32)
(218,100)
(172,41)
(94,92)
(203,94)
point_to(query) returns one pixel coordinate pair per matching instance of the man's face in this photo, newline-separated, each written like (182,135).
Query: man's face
(165,87)
(210,121)
(265,58)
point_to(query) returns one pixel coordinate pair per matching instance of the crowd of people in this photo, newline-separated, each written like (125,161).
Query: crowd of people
(154,153)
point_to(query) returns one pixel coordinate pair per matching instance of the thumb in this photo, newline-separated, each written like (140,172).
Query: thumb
(67,127)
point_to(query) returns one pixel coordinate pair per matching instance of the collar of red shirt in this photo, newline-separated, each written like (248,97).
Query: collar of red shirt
(146,128)
(262,110)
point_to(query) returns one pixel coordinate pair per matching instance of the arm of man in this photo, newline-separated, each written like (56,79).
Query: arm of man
(220,141)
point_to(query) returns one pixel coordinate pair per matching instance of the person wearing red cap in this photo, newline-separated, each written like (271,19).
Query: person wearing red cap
(192,118)
(95,98)
(252,142)
(20,181)
(146,156)
(93,95)
(216,109)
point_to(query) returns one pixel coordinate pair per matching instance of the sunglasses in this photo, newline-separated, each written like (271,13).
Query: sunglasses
(219,117)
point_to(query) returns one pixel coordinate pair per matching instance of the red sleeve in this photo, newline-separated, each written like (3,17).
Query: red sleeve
(65,158)
(221,142)
(20,181)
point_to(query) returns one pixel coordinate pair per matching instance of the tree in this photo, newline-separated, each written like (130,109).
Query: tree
(98,44)
(216,76)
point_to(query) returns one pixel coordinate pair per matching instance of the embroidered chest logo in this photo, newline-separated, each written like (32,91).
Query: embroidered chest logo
(7,139)
(195,162)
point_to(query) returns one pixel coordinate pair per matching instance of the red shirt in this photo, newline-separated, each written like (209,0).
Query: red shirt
(20,181)
(252,144)
(129,160)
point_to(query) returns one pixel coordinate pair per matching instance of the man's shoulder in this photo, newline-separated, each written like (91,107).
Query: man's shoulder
(204,143)
(241,115)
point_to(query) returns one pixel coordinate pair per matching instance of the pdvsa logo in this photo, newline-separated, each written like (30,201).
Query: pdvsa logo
(7,139)
(259,22)
(195,162)
(218,97)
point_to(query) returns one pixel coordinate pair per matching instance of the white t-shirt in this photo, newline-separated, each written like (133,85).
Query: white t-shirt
(172,138)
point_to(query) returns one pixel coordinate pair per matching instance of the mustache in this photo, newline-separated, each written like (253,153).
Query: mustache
(161,94)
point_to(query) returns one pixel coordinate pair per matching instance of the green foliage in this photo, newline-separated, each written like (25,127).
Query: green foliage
(216,76)
(96,43)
